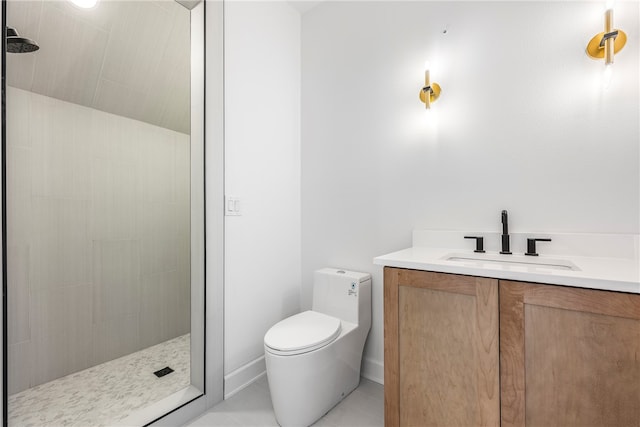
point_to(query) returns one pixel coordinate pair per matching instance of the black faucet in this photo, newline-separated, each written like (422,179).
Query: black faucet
(505,234)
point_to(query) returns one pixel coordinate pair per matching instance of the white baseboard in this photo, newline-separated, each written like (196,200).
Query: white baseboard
(373,370)
(244,376)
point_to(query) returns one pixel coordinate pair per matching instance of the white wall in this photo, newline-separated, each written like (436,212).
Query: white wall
(262,168)
(522,124)
(98,237)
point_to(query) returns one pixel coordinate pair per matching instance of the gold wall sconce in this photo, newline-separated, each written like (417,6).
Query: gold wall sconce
(431,91)
(609,42)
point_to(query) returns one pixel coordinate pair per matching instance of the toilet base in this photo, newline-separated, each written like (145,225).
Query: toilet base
(306,386)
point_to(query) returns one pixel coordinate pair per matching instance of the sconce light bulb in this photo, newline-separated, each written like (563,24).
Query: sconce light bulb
(427,74)
(430,91)
(609,4)
(606,77)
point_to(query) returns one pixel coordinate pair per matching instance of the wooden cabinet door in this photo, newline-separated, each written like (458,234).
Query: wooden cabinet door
(441,349)
(568,356)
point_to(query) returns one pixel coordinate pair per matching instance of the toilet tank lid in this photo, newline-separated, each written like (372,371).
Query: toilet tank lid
(305,330)
(339,272)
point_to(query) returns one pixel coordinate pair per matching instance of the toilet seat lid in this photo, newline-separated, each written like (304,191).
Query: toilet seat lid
(308,330)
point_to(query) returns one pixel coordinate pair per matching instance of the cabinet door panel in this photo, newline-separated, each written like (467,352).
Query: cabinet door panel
(569,357)
(441,349)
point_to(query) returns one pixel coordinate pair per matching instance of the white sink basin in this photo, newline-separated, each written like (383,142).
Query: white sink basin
(506,261)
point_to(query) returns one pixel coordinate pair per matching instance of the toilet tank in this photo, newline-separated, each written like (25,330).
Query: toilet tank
(343,294)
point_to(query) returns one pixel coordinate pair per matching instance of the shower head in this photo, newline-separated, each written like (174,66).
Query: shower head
(17,44)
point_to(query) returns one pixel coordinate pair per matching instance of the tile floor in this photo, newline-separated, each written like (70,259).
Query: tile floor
(106,393)
(364,407)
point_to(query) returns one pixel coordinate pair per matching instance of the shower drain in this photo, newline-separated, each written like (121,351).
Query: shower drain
(162,372)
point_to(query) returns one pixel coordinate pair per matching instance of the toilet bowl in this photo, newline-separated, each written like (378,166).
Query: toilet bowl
(313,358)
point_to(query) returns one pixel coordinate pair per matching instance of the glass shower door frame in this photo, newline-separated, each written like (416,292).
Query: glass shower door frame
(207,221)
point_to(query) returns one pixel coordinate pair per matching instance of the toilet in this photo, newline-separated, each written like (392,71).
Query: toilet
(313,358)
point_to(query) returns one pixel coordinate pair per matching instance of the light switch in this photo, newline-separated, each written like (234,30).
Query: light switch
(232,206)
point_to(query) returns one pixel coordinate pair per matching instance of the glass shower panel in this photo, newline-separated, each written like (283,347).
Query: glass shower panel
(100,159)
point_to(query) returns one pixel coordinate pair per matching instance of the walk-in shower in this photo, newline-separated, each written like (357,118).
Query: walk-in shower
(104,159)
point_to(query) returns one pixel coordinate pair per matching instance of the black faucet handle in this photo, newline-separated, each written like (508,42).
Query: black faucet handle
(531,246)
(479,243)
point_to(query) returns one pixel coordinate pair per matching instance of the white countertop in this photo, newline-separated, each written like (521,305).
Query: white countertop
(620,273)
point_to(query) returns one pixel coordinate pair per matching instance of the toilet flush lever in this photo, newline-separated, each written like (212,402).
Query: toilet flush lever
(479,243)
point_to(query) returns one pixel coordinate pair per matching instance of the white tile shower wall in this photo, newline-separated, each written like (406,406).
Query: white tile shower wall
(523,124)
(262,167)
(98,233)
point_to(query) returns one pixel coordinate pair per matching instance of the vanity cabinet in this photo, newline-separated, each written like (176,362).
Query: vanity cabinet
(440,349)
(569,356)
(471,351)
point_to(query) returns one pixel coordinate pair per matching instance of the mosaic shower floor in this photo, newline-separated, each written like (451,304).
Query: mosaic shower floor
(107,393)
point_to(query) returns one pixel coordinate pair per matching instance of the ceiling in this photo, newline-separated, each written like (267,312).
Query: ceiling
(130,58)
